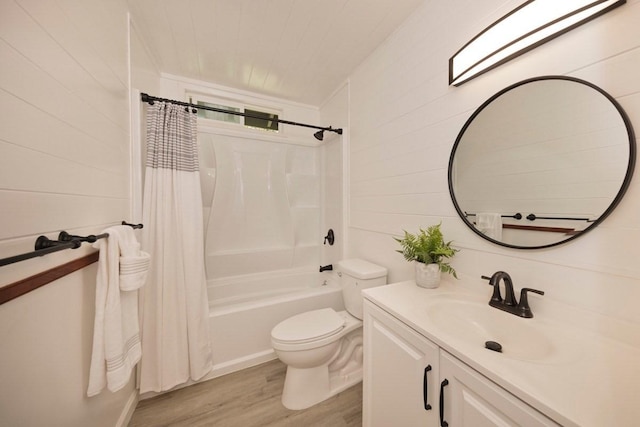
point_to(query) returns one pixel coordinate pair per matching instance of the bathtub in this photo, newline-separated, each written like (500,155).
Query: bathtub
(244,309)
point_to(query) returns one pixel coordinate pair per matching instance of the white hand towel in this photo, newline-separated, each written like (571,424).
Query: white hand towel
(134,271)
(116,337)
(490,224)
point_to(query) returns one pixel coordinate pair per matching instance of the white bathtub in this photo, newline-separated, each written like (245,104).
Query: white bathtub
(244,309)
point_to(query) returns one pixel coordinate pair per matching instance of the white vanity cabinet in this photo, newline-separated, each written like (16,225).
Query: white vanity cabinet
(397,383)
(471,400)
(400,383)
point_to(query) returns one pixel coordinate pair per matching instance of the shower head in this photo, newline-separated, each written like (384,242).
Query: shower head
(320,134)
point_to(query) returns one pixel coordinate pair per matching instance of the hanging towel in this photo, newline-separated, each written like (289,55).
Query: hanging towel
(122,269)
(490,224)
(133,271)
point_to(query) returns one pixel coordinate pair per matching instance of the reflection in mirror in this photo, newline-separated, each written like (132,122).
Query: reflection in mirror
(541,162)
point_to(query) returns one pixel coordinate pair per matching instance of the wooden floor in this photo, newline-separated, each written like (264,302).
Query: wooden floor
(249,398)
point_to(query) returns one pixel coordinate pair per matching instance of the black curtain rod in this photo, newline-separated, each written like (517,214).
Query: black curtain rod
(45,246)
(150,99)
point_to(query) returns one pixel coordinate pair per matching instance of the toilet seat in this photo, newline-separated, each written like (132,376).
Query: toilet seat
(307,327)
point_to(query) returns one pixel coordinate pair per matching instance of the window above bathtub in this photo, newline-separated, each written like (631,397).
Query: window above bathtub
(264,119)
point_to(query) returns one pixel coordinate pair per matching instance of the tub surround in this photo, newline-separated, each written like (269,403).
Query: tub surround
(589,378)
(240,323)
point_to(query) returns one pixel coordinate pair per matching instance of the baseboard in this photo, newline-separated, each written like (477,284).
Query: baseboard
(238,364)
(221,369)
(129,408)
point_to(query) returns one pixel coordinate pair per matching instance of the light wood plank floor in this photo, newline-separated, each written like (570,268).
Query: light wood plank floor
(249,398)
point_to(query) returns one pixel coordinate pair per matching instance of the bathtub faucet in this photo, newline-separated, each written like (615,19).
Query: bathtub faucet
(326,268)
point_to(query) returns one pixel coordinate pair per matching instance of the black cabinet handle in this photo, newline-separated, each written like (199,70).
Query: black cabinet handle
(444,383)
(425,388)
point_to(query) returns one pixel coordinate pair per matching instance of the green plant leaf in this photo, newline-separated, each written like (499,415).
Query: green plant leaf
(427,246)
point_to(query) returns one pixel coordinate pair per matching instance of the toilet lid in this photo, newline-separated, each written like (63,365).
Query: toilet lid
(308,326)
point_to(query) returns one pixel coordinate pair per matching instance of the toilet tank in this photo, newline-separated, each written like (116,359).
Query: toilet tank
(355,275)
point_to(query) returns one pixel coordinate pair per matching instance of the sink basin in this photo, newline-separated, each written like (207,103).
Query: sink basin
(476,323)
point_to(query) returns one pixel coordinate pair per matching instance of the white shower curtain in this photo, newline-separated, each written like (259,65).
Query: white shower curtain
(174,306)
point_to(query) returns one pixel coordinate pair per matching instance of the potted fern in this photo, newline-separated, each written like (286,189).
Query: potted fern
(430,252)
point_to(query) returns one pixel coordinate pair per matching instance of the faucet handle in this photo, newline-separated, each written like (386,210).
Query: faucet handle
(523,305)
(496,297)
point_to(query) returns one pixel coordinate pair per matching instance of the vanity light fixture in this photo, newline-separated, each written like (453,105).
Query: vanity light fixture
(526,27)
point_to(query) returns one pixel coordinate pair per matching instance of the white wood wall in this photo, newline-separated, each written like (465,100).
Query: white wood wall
(335,147)
(64,165)
(404,119)
(64,139)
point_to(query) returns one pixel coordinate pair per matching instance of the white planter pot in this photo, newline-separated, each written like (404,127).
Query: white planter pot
(427,275)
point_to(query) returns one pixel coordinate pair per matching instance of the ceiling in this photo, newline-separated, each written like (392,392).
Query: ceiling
(300,50)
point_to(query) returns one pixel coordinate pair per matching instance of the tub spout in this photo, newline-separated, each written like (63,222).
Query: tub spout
(326,268)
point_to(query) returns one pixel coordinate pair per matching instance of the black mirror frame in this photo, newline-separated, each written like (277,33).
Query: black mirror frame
(614,203)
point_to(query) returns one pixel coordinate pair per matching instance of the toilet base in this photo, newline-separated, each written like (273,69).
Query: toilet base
(298,380)
(304,388)
(298,394)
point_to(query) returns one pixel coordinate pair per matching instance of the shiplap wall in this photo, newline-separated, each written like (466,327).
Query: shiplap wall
(64,138)
(64,165)
(404,119)
(335,114)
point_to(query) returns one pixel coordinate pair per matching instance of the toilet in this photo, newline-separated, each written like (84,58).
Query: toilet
(323,348)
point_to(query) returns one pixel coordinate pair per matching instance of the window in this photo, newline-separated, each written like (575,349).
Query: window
(261,120)
(258,119)
(214,115)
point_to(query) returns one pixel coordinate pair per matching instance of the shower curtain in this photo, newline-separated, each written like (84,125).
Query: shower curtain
(174,305)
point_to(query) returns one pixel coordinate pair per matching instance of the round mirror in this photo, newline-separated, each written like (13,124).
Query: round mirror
(541,162)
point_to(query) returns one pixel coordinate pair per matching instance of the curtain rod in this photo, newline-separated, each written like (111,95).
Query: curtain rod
(150,99)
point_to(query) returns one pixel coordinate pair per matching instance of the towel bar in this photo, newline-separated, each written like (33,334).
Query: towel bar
(44,245)
(516,216)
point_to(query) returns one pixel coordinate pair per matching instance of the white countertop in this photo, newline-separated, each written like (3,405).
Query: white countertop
(592,380)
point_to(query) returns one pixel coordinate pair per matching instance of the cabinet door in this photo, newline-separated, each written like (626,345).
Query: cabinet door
(471,400)
(400,373)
